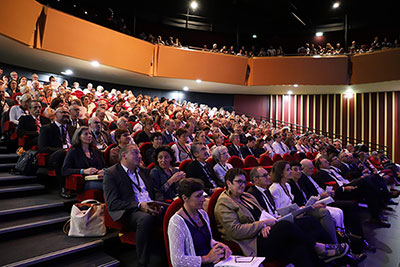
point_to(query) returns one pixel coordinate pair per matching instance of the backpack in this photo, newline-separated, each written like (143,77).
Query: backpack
(26,163)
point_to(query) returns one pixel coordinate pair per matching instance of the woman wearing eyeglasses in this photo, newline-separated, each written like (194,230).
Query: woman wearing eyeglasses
(221,155)
(189,232)
(238,219)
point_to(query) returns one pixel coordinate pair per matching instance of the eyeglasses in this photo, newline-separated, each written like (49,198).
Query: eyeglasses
(240,182)
(264,175)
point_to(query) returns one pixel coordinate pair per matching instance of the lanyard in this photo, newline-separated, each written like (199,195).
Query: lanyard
(137,185)
(286,191)
(206,237)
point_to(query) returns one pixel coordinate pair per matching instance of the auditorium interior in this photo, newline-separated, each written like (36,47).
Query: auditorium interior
(321,79)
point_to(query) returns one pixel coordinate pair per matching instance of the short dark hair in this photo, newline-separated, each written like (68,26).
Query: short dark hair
(167,149)
(55,102)
(188,186)
(254,172)
(318,163)
(180,132)
(295,163)
(154,135)
(277,170)
(232,173)
(250,139)
(119,132)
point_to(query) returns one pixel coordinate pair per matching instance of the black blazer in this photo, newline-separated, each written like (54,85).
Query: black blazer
(298,196)
(81,122)
(257,194)
(118,191)
(308,188)
(167,138)
(75,160)
(323,177)
(246,151)
(27,125)
(50,139)
(233,151)
(195,170)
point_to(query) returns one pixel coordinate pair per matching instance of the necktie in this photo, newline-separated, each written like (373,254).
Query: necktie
(271,206)
(37,123)
(63,134)
(101,141)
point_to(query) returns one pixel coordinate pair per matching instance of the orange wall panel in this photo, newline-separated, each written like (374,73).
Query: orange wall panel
(18,19)
(184,64)
(379,66)
(71,36)
(299,70)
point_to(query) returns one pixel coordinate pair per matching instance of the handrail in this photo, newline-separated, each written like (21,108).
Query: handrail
(293,126)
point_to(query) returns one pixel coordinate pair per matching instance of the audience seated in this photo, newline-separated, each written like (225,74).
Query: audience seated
(123,138)
(166,177)
(238,219)
(168,134)
(144,135)
(189,231)
(101,138)
(156,140)
(29,125)
(234,148)
(85,159)
(181,148)
(129,192)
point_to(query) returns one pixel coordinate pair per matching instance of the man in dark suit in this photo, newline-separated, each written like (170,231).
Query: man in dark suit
(75,121)
(247,149)
(199,168)
(101,138)
(129,192)
(346,190)
(350,209)
(234,149)
(30,125)
(55,138)
(167,134)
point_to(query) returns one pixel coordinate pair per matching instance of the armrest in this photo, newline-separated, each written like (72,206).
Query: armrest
(42,159)
(74,182)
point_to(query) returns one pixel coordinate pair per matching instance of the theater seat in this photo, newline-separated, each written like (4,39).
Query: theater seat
(107,154)
(75,183)
(250,161)
(236,250)
(127,237)
(266,160)
(310,156)
(144,147)
(236,162)
(287,157)
(183,164)
(277,157)
(172,209)
(151,166)
(211,161)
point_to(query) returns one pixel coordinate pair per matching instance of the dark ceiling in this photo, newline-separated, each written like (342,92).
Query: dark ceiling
(266,18)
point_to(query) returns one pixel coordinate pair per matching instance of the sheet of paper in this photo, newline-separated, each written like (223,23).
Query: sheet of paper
(288,209)
(288,218)
(240,261)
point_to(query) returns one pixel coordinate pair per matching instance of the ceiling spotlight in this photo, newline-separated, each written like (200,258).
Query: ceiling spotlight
(336,5)
(319,34)
(296,85)
(316,56)
(194,5)
(290,92)
(67,72)
(95,63)
(198,81)
(349,93)
(254,36)
(85,12)
(185,88)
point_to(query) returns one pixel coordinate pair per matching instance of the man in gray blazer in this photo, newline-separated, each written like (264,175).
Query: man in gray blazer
(129,191)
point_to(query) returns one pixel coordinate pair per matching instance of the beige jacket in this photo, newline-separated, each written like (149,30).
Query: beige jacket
(235,222)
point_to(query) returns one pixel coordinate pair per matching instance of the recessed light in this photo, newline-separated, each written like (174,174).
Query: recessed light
(198,81)
(67,72)
(185,88)
(336,5)
(254,36)
(95,63)
(290,92)
(319,34)
(296,85)
(86,12)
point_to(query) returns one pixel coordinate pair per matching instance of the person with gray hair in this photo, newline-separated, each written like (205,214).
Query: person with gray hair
(101,139)
(221,155)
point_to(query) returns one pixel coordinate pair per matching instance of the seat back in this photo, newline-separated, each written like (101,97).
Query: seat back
(309,155)
(144,147)
(107,154)
(172,209)
(236,162)
(277,157)
(250,161)
(182,166)
(211,161)
(151,166)
(287,157)
(297,157)
(266,160)
(135,134)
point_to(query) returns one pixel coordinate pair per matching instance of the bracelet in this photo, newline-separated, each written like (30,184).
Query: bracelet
(81,171)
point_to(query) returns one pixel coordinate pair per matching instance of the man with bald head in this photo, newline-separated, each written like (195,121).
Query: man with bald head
(129,191)
(55,138)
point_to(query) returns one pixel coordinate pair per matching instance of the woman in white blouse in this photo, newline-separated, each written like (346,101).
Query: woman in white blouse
(220,155)
(189,233)
(181,148)
(281,192)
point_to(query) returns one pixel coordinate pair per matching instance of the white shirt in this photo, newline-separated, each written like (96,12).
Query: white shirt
(338,178)
(138,186)
(15,113)
(270,211)
(280,197)
(280,148)
(319,189)
(220,170)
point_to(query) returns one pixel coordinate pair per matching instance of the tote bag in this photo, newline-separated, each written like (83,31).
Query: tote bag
(87,219)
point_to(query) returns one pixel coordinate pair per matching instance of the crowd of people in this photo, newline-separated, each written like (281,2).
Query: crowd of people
(312,50)
(77,126)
